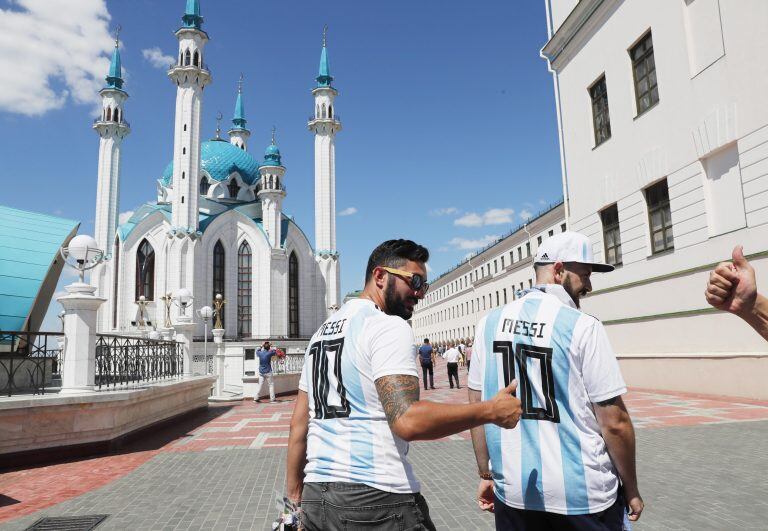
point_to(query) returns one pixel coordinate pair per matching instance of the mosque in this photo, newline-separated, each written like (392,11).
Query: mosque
(217,225)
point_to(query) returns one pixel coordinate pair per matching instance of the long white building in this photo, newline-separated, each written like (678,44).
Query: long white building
(460,297)
(664,141)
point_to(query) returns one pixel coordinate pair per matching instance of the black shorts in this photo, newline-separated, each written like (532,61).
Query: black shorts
(511,519)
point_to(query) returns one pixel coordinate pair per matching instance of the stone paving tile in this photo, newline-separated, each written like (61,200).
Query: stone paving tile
(245,425)
(700,478)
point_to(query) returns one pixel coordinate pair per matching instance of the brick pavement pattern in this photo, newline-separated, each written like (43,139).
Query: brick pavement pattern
(221,469)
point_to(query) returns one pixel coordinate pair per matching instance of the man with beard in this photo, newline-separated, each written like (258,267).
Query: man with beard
(571,462)
(358,406)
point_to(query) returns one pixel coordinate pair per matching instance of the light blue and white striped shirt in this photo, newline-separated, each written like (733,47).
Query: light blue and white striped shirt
(555,460)
(349,438)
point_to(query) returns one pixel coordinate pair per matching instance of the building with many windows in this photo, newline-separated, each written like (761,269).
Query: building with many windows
(217,225)
(494,276)
(664,143)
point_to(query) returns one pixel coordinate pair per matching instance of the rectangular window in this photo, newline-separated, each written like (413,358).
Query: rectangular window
(601,121)
(538,240)
(495,266)
(551,233)
(562,227)
(611,235)
(659,217)
(644,72)
(519,253)
(528,249)
(497,298)
(502,262)
(505,295)
(511,256)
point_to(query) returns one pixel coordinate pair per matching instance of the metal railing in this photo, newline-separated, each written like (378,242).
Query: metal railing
(289,364)
(29,361)
(123,360)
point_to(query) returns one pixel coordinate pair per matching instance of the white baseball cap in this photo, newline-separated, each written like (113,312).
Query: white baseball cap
(569,247)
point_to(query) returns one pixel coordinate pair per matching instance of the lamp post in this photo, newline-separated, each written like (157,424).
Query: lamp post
(182,300)
(184,326)
(205,313)
(78,372)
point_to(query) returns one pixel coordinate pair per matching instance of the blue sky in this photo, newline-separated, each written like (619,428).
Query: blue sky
(450,132)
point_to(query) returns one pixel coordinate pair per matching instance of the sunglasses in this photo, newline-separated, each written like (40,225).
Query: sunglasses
(415,280)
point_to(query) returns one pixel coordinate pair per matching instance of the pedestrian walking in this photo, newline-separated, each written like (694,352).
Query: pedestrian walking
(452,358)
(732,287)
(427,359)
(469,353)
(265,354)
(358,405)
(570,464)
(462,357)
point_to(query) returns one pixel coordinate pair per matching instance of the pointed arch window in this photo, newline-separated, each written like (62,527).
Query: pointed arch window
(196,59)
(187,58)
(218,272)
(293,296)
(204,186)
(145,271)
(117,115)
(323,112)
(244,290)
(233,188)
(109,114)
(330,111)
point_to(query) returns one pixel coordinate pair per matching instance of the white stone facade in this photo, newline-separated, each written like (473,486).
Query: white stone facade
(214,193)
(706,138)
(458,299)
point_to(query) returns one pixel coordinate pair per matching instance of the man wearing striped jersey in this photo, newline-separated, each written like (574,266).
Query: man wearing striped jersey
(358,406)
(570,464)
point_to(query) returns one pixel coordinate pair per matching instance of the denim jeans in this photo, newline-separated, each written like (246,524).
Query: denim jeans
(347,506)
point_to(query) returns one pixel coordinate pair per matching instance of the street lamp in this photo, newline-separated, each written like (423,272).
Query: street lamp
(82,253)
(183,299)
(205,313)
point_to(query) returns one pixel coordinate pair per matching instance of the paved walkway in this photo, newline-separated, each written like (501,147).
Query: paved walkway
(702,465)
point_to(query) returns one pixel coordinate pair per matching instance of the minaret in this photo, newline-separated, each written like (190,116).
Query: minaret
(190,75)
(112,129)
(325,124)
(238,135)
(272,193)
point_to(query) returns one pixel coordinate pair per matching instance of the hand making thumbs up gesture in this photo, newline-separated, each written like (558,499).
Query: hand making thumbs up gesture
(732,288)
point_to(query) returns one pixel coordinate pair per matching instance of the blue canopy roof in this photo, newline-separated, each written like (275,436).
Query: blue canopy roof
(115,76)
(30,265)
(324,78)
(219,160)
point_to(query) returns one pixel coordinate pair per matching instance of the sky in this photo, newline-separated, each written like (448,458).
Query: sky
(449,125)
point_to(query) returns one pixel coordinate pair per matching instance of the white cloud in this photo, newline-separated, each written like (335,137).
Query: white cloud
(348,211)
(494,216)
(124,216)
(464,244)
(469,220)
(429,269)
(525,215)
(157,58)
(444,211)
(52,42)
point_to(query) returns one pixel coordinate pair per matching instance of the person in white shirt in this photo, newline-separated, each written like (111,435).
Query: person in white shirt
(358,406)
(452,358)
(570,464)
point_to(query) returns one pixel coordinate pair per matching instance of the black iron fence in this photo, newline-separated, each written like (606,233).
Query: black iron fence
(123,360)
(30,362)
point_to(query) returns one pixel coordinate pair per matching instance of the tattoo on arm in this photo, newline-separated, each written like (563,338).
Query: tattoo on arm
(396,393)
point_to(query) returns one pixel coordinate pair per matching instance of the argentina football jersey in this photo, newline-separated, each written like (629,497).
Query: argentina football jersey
(349,438)
(555,460)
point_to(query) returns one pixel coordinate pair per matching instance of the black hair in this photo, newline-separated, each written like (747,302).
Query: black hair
(394,253)
(426,340)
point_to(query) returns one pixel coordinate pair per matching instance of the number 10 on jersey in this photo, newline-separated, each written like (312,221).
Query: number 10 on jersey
(328,391)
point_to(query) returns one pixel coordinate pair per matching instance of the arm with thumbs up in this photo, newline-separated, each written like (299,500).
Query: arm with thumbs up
(413,419)
(732,288)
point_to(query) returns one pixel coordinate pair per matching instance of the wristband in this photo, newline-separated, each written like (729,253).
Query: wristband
(485,475)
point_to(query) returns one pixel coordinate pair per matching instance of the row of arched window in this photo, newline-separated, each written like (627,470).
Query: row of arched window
(108,115)
(186,58)
(233,188)
(145,283)
(322,112)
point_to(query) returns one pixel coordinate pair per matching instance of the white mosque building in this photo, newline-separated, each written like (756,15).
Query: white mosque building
(217,225)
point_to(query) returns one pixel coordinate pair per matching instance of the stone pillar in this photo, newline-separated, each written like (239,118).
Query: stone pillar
(218,341)
(184,329)
(78,373)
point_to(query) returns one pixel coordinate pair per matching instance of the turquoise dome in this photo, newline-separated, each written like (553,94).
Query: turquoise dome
(272,150)
(272,156)
(219,160)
